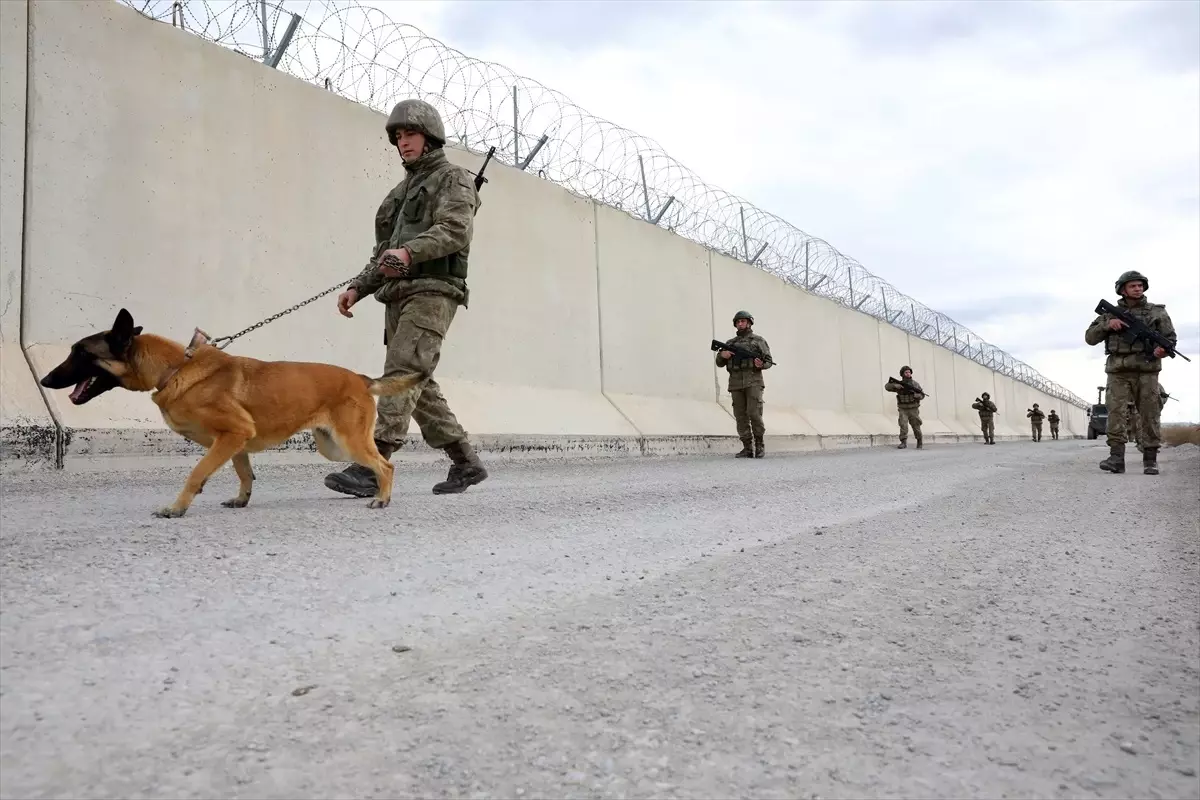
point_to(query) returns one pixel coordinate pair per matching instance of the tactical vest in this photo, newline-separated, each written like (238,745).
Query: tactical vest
(1116,344)
(906,398)
(748,342)
(413,217)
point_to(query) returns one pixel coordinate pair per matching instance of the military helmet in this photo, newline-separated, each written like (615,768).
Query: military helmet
(1132,275)
(986,396)
(419,116)
(743,315)
(905,367)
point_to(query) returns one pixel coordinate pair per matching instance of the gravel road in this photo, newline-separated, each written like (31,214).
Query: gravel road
(964,621)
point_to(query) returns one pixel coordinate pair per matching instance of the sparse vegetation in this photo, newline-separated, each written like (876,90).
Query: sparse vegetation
(1181,433)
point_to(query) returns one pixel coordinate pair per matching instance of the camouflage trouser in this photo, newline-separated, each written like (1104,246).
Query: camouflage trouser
(414,331)
(1053,431)
(747,412)
(988,425)
(1036,430)
(907,416)
(1141,390)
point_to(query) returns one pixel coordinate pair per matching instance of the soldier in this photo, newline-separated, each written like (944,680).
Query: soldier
(418,270)
(1131,377)
(746,384)
(1053,419)
(987,410)
(908,404)
(1035,420)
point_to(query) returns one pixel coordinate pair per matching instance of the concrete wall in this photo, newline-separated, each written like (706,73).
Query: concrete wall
(170,177)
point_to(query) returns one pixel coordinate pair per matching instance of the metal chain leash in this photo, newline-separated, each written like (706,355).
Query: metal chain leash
(228,340)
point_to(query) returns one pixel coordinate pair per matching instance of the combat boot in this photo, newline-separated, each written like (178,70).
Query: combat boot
(1150,461)
(1115,463)
(747,450)
(356,479)
(760,449)
(903,444)
(920,442)
(466,469)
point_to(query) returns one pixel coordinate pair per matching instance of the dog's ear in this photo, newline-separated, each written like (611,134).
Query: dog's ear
(122,333)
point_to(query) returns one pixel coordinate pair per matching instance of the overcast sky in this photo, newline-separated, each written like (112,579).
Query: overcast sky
(1002,162)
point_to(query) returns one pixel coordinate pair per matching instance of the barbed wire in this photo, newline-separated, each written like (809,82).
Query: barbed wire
(361,54)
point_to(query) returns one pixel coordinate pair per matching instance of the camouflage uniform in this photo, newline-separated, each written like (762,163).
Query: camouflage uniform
(746,387)
(987,409)
(908,403)
(1132,380)
(1036,416)
(1053,419)
(431,215)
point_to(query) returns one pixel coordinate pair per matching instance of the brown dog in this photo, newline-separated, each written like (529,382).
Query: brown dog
(234,405)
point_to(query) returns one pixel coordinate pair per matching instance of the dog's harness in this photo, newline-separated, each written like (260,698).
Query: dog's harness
(199,338)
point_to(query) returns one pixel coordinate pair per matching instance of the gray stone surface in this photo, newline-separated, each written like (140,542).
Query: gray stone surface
(964,621)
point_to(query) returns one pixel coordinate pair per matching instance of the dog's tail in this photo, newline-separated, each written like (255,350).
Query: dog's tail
(383,387)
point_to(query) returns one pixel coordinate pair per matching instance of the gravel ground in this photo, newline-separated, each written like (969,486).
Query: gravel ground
(965,621)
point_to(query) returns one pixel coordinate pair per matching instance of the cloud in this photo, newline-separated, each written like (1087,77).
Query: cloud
(1001,162)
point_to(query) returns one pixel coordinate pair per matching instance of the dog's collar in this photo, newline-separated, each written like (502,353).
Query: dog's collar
(199,338)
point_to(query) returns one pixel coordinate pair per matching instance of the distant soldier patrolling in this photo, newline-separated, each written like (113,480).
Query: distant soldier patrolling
(909,395)
(1053,419)
(987,410)
(418,270)
(1132,378)
(746,383)
(1036,416)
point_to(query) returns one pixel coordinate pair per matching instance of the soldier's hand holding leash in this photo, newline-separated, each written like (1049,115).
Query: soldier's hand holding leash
(394,263)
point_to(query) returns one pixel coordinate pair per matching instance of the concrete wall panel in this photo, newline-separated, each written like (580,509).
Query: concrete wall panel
(1010,422)
(972,380)
(27,431)
(653,281)
(935,365)
(867,402)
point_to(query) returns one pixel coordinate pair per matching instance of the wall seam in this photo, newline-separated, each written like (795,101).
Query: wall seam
(641,439)
(59,436)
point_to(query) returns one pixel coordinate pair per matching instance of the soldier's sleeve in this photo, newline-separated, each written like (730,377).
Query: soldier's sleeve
(454,208)
(892,386)
(976,406)
(1166,327)
(1097,332)
(765,350)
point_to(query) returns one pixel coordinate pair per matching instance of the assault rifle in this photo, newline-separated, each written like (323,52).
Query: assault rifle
(739,352)
(907,385)
(1135,329)
(479,179)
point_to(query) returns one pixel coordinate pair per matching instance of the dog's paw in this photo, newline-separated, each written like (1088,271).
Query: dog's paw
(169,513)
(236,502)
(377,503)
